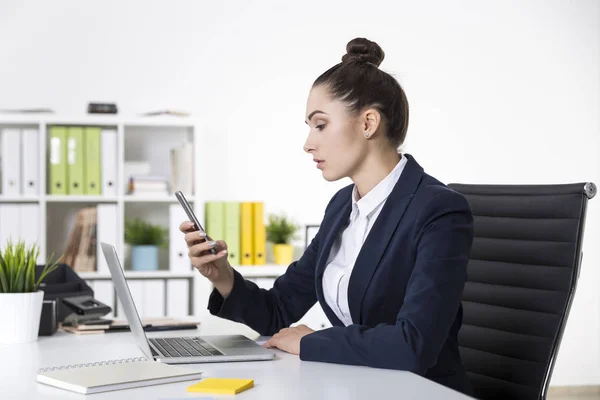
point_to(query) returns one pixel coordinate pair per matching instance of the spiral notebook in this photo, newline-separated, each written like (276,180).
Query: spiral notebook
(114,375)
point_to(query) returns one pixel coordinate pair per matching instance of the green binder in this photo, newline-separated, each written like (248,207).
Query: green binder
(75,160)
(57,163)
(215,226)
(232,231)
(92,160)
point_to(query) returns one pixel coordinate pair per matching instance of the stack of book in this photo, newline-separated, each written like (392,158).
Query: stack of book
(148,186)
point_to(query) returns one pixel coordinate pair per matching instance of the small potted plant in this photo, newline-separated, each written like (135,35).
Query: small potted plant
(281,231)
(145,239)
(20,299)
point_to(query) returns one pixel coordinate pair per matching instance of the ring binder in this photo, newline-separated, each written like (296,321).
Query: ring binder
(93,364)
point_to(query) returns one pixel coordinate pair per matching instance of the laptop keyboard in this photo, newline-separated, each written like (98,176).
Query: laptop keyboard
(185,347)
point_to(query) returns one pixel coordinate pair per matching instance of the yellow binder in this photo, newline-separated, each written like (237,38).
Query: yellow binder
(57,177)
(259,234)
(93,145)
(246,245)
(75,162)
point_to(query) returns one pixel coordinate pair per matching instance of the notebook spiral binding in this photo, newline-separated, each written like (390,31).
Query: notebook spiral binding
(93,364)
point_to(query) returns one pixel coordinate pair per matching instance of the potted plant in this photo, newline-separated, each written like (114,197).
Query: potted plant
(145,239)
(281,231)
(20,299)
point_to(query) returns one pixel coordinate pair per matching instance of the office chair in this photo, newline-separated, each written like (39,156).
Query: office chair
(522,275)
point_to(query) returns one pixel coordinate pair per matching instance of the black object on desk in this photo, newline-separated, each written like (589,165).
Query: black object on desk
(49,318)
(85,310)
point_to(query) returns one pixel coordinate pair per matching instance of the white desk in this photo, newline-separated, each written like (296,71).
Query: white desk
(286,377)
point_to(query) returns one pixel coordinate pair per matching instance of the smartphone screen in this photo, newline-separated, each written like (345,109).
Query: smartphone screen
(190,213)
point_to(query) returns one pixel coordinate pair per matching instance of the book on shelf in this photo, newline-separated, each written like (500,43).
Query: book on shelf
(182,168)
(148,185)
(80,253)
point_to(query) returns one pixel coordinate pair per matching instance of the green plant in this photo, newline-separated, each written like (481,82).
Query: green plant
(280,229)
(140,233)
(17,268)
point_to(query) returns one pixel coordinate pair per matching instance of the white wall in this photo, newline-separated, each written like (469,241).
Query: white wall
(500,92)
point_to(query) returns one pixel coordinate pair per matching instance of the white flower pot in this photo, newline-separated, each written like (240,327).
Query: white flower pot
(20,316)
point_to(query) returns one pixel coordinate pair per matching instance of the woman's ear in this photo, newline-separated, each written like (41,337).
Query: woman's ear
(371,121)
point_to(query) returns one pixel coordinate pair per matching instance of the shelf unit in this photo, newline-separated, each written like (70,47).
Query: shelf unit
(138,139)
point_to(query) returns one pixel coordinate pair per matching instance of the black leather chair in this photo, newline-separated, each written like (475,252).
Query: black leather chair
(522,275)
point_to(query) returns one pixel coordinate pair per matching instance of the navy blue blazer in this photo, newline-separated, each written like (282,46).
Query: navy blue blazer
(404,292)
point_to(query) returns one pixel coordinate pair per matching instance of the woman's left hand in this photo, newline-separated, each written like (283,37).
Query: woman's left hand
(288,339)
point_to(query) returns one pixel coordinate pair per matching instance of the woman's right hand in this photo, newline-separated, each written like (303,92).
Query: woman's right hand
(214,267)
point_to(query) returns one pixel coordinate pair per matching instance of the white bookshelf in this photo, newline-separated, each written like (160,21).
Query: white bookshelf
(138,139)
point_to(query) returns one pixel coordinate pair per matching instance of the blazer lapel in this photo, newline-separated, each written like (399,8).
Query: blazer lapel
(325,248)
(380,235)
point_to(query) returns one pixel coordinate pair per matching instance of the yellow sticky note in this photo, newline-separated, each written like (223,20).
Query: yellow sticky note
(221,386)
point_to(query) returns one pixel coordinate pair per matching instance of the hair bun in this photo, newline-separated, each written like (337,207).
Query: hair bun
(363,51)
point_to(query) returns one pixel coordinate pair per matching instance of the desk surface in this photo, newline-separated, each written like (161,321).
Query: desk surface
(286,377)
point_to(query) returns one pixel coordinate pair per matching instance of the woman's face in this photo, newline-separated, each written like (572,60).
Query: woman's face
(336,138)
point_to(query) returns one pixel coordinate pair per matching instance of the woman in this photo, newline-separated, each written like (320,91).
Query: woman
(388,264)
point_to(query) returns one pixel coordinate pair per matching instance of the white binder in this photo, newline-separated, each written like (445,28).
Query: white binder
(9,224)
(178,298)
(178,251)
(109,162)
(30,182)
(106,231)
(30,224)
(10,141)
(154,298)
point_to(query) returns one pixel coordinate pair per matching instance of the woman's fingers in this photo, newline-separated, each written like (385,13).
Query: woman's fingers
(199,261)
(186,226)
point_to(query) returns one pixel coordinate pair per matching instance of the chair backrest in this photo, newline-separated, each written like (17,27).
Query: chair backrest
(522,275)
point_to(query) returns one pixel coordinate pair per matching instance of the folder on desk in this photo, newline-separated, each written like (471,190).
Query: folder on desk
(30,174)
(75,163)
(93,145)
(57,182)
(232,232)
(246,245)
(259,234)
(10,141)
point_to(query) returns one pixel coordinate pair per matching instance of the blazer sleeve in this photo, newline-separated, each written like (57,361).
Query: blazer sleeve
(269,311)
(432,300)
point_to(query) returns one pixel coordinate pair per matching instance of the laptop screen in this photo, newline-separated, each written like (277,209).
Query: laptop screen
(124,295)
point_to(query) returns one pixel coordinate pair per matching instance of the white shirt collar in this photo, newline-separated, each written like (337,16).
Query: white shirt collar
(367,204)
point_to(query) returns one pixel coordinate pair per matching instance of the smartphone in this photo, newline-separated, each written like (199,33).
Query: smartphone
(190,213)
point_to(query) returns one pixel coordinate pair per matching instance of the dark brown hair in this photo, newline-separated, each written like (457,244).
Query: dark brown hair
(359,83)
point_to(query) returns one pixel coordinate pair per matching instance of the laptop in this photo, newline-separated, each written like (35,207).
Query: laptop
(180,350)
